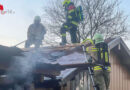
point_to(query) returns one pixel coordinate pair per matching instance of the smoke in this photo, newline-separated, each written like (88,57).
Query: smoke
(23,67)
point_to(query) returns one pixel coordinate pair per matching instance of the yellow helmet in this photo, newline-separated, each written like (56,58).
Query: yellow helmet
(66,2)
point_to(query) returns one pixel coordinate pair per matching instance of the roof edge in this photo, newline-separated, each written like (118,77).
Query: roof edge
(125,46)
(114,43)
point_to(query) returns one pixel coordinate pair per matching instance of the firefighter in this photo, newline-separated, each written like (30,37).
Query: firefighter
(71,23)
(100,55)
(36,32)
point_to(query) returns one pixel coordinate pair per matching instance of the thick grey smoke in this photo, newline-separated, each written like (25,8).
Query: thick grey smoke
(22,68)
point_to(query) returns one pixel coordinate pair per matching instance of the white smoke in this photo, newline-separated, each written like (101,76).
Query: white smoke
(24,66)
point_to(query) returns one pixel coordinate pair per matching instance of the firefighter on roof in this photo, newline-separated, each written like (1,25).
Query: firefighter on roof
(73,16)
(35,34)
(100,55)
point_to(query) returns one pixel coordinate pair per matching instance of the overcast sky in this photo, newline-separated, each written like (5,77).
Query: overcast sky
(13,27)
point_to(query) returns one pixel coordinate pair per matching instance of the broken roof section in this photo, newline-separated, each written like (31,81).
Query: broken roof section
(75,56)
(52,60)
(71,56)
(61,58)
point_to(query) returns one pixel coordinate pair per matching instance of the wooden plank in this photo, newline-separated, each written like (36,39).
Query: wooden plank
(70,76)
(32,87)
(85,80)
(68,85)
(71,85)
(62,88)
(89,81)
(81,80)
(119,78)
(39,89)
(78,65)
(77,82)
(59,67)
(43,89)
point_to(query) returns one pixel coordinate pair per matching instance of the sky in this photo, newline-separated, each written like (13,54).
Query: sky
(13,26)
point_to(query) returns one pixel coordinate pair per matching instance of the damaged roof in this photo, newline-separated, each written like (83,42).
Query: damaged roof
(55,60)
(115,45)
(70,56)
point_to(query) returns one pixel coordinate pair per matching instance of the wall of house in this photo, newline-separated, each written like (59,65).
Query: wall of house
(80,82)
(119,77)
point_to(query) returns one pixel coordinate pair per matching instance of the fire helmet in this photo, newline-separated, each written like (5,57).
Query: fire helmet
(98,38)
(66,2)
(37,18)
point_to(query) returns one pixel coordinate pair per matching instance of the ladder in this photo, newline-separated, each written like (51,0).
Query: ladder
(89,69)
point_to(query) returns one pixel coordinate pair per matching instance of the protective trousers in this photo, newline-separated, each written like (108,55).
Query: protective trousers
(102,79)
(31,41)
(72,29)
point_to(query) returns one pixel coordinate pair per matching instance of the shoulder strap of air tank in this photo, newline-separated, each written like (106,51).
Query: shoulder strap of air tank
(99,52)
(105,52)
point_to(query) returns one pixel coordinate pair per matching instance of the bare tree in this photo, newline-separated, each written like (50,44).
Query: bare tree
(100,16)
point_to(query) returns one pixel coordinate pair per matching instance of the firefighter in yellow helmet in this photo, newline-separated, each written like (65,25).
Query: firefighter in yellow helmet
(71,23)
(100,55)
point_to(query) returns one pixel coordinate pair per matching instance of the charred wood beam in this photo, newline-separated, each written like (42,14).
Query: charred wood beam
(53,69)
(7,53)
(58,67)
(53,83)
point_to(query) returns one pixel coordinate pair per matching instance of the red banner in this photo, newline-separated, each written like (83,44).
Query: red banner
(1,7)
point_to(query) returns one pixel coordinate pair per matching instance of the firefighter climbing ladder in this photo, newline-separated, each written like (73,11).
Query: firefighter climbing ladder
(89,70)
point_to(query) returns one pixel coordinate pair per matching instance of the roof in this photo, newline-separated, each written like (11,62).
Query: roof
(118,46)
(47,61)
(52,60)
(115,45)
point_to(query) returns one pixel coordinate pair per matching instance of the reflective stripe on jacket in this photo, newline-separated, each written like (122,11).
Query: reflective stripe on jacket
(94,52)
(96,68)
